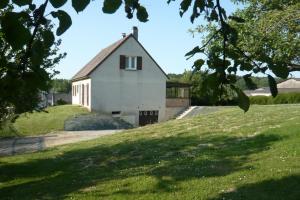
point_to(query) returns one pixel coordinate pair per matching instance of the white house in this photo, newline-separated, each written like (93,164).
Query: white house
(123,80)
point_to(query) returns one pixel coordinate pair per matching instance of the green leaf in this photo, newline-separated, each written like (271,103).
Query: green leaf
(37,53)
(280,71)
(3,3)
(273,86)
(184,5)
(15,32)
(111,6)
(246,66)
(198,64)
(65,21)
(214,15)
(142,14)
(194,51)
(244,101)
(21,2)
(32,7)
(48,38)
(80,5)
(58,3)
(200,4)
(231,78)
(249,82)
(211,86)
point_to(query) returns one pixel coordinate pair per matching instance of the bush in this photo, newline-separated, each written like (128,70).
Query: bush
(285,98)
(261,100)
(61,102)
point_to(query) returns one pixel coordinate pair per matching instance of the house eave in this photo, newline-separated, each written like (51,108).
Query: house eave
(80,78)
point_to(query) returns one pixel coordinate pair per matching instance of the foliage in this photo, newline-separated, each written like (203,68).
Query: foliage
(222,155)
(61,102)
(25,70)
(263,37)
(283,98)
(37,123)
(61,85)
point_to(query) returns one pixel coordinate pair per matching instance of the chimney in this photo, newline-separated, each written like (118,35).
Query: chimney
(135,32)
(123,35)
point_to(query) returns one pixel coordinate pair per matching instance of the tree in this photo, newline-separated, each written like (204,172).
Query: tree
(264,38)
(25,73)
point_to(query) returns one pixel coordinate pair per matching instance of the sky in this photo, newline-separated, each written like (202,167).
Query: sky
(165,35)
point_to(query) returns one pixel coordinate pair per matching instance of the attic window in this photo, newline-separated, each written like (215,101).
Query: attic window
(131,62)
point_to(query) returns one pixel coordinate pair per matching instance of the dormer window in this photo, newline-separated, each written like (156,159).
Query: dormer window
(131,62)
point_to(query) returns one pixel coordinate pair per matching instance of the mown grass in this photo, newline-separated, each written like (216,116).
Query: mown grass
(222,155)
(37,123)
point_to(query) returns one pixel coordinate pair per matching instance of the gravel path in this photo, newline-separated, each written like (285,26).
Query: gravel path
(37,143)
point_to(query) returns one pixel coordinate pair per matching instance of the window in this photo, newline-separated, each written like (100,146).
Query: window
(175,92)
(131,62)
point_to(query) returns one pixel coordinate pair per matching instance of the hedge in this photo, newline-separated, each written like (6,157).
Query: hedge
(285,98)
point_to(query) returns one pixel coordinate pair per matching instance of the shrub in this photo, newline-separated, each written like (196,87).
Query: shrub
(61,102)
(285,98)
(261,100)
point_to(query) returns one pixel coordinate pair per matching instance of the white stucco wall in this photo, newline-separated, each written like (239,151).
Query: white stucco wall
(115,89)
(77,98)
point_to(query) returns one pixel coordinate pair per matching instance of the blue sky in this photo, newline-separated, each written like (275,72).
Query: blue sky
(165,35)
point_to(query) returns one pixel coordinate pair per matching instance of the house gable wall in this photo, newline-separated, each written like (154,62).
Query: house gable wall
(115,89)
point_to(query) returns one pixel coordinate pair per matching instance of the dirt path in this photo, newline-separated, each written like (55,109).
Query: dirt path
(38,143)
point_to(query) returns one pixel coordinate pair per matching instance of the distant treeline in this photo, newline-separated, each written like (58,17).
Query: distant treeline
(61,85)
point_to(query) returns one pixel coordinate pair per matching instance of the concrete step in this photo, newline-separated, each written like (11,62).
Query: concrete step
(187,111)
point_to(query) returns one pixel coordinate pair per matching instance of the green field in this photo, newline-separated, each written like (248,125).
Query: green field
(38,123)
(221,155)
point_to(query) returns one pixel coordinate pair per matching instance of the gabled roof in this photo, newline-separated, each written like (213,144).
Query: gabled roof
(103,55)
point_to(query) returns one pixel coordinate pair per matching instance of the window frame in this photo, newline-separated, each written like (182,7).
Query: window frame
(128,63)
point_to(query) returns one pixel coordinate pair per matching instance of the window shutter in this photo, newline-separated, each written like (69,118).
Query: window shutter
(122,61)
(139,63)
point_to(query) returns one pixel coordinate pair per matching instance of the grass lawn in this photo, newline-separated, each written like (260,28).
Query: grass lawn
(37,123)
(221,155)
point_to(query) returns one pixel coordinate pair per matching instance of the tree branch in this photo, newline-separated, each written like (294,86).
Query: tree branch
(223,31)
(36,27)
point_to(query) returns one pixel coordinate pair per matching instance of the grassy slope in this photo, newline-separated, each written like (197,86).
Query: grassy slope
(41,122)
(223,155)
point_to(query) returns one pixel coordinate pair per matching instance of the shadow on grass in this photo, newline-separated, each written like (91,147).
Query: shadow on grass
(178,158)
(285,188)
